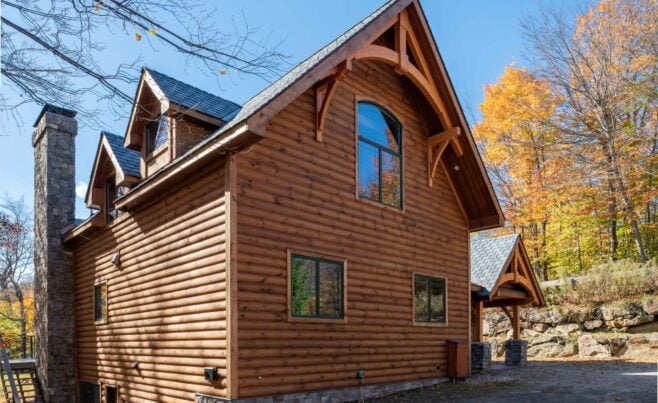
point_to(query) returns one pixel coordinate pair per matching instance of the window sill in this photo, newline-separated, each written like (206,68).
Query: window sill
(430,324)
(381,205)
(300,319)
(100,322)
(156,153)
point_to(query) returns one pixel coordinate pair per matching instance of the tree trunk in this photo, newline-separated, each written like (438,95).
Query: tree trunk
(21,303)
(629,207)
(612,221)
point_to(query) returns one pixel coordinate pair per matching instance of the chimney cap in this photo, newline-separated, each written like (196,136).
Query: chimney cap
(54,109)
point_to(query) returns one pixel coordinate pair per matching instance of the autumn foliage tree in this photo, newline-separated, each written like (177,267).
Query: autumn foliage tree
(571,140)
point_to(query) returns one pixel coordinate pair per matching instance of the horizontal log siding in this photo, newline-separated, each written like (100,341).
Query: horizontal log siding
(166,304)
(294,192)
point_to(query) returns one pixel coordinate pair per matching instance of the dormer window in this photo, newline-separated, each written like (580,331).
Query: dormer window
(110,197)
(157,134)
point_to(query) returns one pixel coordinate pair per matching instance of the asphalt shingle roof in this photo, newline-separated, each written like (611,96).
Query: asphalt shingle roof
(488,257)
(128,159)
(269,93)
(191,97)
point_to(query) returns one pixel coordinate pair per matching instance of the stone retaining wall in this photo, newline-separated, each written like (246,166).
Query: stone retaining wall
(617,329)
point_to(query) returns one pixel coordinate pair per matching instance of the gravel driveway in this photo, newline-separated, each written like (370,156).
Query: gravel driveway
(547,381)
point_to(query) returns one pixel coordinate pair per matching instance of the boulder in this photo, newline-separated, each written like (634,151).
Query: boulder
(580,315)
(650,306)
(588,346)
(552,316)
(529,333)
(592,324)
(552,349)
(567,328)
(622,323)
(540,327)
(543,339)
(616,311)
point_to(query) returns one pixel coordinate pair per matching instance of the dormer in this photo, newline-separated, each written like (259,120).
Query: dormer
(116,169)
(170,117)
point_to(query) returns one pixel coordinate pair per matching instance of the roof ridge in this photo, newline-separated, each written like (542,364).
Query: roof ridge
(151,70)
(326,45)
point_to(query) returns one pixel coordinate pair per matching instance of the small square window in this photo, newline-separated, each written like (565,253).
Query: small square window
(429,299)
(316,286)
(100,302)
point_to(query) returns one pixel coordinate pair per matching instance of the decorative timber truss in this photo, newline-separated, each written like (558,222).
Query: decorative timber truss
(408,59)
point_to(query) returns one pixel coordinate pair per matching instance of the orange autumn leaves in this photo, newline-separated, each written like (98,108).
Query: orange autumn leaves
(571,142)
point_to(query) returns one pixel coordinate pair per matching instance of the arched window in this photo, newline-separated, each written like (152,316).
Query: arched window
(379,155)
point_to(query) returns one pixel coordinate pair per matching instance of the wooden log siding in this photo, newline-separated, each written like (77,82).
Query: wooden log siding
(166,301)
(297,193)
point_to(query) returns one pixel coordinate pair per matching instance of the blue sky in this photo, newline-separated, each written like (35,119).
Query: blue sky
(477,39)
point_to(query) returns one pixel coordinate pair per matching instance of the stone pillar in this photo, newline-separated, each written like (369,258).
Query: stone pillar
(516,353)
(54,209)
(480,355)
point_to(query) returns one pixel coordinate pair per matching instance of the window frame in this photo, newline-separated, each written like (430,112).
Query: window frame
(319,257)
(104,388)
(110,215)
(107,311)
(357,138)
(413,299)
(151,154)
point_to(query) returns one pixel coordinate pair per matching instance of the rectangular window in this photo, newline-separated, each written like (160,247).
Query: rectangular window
(317,287)
(89,392)
(429,299)
(100,302)
(110,197)
(157,134)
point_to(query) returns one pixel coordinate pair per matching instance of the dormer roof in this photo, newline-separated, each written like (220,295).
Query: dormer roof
(128,160)
(124,162)
(190,97)
(158,94)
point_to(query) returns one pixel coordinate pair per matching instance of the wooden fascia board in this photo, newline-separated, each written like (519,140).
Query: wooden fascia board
(145,81)
(92,175)
(90,223)
(176,109)
(443,76)
(531,274)
(221,146)
(127,138)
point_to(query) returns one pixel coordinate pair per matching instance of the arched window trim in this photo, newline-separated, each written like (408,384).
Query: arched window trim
(399,154)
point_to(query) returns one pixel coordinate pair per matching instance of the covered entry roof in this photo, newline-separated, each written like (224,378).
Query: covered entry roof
(501,273)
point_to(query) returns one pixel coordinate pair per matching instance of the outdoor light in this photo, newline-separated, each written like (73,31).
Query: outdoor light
(456,168)
(361,375)
(134,365)
(116,258)
(210,374)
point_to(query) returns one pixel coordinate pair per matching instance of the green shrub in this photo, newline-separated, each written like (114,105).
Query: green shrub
(623,279)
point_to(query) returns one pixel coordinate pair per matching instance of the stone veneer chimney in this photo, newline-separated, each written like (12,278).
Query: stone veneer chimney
(54,208)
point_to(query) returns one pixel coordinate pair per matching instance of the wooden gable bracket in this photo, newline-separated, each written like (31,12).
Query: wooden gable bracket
(420,76)
(436,145)
(324,92)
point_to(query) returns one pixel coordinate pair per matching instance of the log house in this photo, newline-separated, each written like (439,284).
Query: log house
(311,243)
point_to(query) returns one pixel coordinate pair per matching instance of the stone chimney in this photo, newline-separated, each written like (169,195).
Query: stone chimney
(54,208)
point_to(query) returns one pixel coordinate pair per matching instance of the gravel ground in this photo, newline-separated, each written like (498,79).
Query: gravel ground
(547,382)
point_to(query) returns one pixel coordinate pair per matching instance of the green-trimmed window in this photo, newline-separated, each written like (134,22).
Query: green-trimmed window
(379,155)
(316,287)
(429,299)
